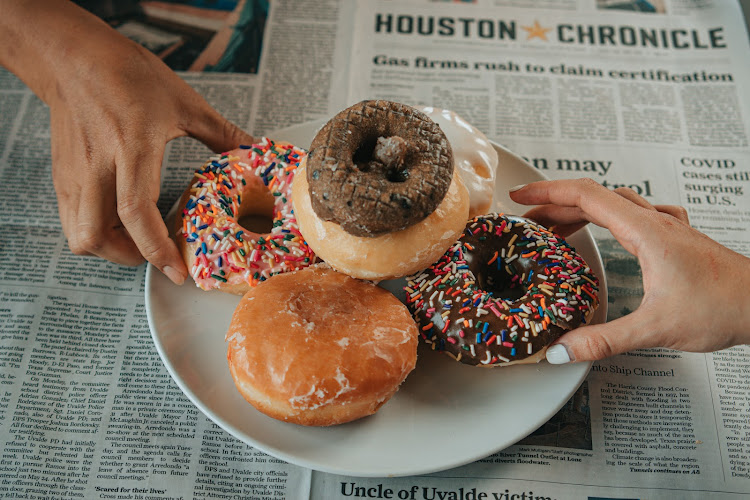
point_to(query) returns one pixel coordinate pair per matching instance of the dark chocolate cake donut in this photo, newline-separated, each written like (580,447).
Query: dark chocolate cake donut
(378,167)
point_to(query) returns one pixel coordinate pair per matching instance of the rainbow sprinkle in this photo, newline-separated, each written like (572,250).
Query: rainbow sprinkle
(224,251)
(552,289)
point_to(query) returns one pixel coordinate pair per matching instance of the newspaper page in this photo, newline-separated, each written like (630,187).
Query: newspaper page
(87,409)
(652,100)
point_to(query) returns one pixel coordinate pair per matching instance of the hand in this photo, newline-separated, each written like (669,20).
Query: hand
(113,107)
(695,290)
(110,124)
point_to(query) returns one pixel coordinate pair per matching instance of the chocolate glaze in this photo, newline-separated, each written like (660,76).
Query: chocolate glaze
(378,167)
(502,293)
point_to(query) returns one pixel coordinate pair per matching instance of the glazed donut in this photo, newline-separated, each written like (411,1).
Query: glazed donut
(396,244)
(218,251)
(505,291)
(317,347)
(378,167)
(473,156)
(391,255)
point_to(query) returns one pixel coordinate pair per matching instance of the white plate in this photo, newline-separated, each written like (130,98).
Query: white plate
(446,414)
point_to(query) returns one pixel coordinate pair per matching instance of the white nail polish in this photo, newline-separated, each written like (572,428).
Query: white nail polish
(516,188)
(557,355)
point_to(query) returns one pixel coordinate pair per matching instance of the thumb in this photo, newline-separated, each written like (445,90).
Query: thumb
(595,342)
(216,132)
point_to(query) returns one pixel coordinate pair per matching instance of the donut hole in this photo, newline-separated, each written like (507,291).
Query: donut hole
(256,211)
(364,155)
(500,283)
(257,223)
(385,154)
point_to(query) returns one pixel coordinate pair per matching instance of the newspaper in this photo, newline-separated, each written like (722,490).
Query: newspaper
(642,94)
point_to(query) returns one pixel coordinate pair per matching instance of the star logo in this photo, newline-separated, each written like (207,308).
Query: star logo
(536,31)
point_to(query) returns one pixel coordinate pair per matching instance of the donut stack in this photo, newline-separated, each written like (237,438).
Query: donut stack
(378,196)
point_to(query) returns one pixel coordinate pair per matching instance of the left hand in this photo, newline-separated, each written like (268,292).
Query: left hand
(695,290)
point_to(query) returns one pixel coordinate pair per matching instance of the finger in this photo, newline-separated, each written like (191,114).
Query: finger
(561,220)
(65,179)
(137,179)
(676,211)
(98,228)
(631,195)
(558,216)
(599,205)
(212,129)
(67,203)
(553,215)
(595,342)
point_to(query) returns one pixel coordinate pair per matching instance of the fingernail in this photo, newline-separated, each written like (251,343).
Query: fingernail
(516,188)
(558,355)
(174,275)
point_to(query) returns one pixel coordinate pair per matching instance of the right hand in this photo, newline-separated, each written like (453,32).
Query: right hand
(110,124)
(695,290)
(113,107)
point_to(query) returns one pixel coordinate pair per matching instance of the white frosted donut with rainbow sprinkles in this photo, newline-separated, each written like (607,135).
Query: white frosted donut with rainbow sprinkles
(218,251)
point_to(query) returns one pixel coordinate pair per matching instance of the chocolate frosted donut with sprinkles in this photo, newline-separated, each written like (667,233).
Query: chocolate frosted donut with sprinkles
(502,293)
(251,180)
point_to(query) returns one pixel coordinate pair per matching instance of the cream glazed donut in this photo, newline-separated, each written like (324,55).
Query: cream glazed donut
(378,196)
(221,254)
(390,255)
(474,157)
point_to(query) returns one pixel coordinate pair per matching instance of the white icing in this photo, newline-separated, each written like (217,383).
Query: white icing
(473,156)
(315,397)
